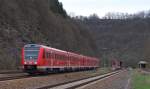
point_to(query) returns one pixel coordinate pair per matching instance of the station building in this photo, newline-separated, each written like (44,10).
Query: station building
(142,64)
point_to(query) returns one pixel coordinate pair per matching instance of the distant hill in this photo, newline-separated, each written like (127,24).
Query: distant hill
(126,39)
(41,22)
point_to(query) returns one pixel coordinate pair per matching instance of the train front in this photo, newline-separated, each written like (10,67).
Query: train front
(30,56)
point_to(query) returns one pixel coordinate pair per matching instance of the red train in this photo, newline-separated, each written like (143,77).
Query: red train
(39,58)
(116,64)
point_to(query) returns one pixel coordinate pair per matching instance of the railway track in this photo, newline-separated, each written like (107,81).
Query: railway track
(14,77)
(11,72)
(81,82)
(11,75)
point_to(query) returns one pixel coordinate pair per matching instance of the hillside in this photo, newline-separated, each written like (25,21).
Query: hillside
(41,22)
(123,39)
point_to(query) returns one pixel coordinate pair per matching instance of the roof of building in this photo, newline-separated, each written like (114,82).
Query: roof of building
(142,62)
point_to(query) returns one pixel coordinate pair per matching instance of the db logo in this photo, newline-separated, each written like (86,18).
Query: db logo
(30,62)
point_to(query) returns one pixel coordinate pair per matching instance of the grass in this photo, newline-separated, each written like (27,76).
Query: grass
(141,80)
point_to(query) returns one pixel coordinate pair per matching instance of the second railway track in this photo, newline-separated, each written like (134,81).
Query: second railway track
(79,83)
(13,78)
(11,72)
(11,75)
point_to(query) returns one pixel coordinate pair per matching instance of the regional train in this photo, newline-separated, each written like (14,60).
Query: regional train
(116,64)
(42,59)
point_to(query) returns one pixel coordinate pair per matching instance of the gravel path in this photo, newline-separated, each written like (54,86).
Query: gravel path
(120,81)
(35,82)
(12,75)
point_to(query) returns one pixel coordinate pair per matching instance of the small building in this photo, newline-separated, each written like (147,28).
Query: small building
(142,64)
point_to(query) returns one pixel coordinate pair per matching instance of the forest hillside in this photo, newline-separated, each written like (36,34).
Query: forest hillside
(41,22)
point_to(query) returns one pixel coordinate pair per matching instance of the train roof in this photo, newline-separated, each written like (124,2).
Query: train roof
(53,48)
(37,45)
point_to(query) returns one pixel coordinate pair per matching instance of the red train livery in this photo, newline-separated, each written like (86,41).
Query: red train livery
(116,64)
(40,58)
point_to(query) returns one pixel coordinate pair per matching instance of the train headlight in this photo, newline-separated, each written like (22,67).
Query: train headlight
(35,62)
(25,62)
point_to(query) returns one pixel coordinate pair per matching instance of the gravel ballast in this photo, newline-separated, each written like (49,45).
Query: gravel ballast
(51,79)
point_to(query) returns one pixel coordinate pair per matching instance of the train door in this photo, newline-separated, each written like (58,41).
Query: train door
(67,61)
(69,58)
(51,58)
(47,57)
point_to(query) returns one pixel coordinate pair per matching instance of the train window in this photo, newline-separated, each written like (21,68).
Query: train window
(52,56)
(44,54)
(31,54)
(64,57)
(56,56)
(48,55)
(70,58)
(61,57)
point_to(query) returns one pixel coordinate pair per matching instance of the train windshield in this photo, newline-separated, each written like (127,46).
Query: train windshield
(31,53)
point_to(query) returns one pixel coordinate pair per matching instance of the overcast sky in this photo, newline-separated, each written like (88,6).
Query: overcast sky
(101,7)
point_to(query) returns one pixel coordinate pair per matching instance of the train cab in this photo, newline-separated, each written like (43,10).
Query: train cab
(30,57)
(42,59)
